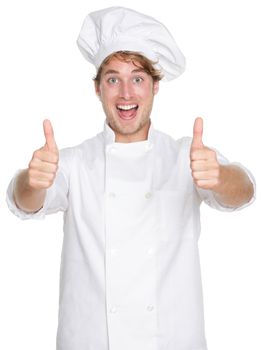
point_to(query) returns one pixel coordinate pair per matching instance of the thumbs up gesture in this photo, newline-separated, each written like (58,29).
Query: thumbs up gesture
(204,164)
(44,163)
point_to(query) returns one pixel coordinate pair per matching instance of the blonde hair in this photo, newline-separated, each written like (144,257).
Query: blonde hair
(136,58)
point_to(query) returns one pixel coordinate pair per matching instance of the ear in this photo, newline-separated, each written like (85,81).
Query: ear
(155,87)
(97,88)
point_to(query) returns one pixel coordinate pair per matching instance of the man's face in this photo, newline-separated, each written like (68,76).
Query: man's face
(127,94)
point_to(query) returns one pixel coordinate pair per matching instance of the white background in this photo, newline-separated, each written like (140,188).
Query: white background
(44,75)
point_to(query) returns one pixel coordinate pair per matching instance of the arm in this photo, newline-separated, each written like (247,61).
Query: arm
(26,197)
(234,186)
(31,184)
(230,184)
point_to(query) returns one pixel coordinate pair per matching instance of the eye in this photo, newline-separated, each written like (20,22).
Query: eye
(112,80)
(138,80)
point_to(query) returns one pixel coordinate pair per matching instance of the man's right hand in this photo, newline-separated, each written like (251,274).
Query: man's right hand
(43,166)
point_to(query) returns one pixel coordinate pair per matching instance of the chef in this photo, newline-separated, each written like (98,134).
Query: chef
(131,196)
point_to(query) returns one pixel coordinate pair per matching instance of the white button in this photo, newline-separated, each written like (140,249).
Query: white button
(150,308)
(148,146)
(112,195)
(148,195)
(113,310)
(111,149)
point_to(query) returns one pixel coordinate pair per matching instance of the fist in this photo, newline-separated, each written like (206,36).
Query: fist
(44,163)
(203,160)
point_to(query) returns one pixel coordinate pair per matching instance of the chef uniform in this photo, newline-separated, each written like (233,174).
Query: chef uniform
(130,271)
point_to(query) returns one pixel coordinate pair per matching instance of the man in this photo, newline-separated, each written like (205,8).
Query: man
(131,195)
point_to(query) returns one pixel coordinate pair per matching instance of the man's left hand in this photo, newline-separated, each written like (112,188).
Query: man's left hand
(204,164)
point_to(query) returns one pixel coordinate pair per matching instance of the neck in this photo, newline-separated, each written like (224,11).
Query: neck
(141,135)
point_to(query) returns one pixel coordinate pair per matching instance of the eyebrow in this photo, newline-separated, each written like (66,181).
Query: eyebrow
(112,71)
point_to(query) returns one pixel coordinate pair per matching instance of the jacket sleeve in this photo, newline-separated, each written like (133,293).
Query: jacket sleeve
(56,196)
(208,196)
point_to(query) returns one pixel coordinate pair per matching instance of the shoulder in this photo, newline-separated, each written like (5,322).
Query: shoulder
(87,148)
(170,143)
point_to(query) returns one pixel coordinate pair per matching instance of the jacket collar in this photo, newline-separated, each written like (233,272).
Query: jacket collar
(109,135)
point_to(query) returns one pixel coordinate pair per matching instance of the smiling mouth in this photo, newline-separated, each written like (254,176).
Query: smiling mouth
(127,112)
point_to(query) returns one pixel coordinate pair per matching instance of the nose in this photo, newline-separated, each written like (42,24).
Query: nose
(126,90)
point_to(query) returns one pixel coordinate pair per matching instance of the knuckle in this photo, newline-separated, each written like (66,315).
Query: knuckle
(53,158)
(50,182)
(30,173)
(32,164)
(198,183)
(217,173)
(194,165)
(52,177)
(56,158)
(45,185)
(37,154)
(212,154)
(31,182)
(194,175)
(193,154)
(216,166)
(216,182)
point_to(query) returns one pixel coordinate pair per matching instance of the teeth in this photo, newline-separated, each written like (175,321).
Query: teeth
(126,108)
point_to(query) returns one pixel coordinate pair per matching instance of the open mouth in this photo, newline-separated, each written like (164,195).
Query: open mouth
(127,112)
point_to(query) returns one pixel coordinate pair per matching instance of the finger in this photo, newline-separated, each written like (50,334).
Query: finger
(207,184)
(38,184)
(205,175)
(38,175)
(198,133)
(46,156)
(39,165)
(49,136)
(202,165)
(202,154)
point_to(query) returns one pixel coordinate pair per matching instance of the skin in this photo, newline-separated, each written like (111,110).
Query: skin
(31,184)
(122,84)
(229,183)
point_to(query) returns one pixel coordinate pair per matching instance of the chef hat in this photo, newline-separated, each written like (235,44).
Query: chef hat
(121,29)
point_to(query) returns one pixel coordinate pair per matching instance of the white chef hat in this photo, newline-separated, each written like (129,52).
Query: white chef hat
(121,29)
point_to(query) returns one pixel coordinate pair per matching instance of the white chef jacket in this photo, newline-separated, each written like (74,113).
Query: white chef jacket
(130,272)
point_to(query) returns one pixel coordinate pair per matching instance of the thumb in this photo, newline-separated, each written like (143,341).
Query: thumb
(49,136)
(198,133)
